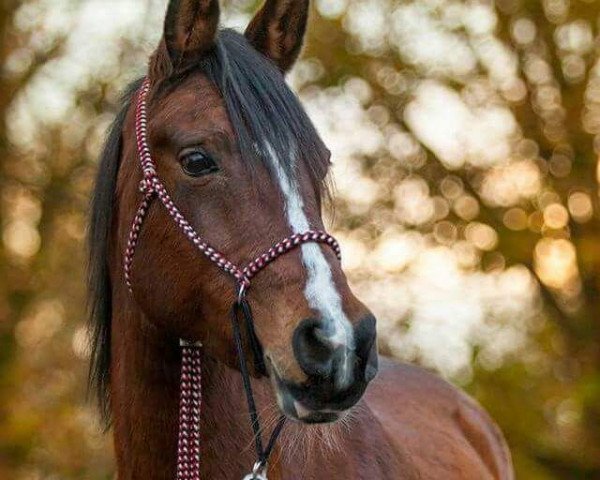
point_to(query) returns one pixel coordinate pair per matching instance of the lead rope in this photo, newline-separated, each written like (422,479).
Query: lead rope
(259,470)
(190,402)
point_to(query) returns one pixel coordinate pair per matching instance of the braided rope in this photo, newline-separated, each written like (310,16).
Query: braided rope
(151,185)
(190,403)
(288,244)
(134,235)
(188,445)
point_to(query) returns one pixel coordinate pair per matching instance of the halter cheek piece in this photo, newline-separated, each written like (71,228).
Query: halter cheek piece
(188,448)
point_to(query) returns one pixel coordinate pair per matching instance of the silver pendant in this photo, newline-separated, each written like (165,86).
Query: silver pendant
(259,472)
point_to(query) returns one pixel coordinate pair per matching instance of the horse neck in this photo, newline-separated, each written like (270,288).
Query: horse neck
(145,377)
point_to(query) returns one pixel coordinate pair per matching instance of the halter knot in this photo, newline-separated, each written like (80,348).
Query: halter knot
(243,286)
(146,186)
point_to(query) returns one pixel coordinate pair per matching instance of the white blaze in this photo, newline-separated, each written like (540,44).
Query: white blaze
(320,291)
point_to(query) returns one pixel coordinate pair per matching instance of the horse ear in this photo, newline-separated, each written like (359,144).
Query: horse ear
(277,30)
(190,28)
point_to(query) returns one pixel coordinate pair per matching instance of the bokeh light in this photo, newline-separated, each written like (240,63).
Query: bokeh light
(465,140)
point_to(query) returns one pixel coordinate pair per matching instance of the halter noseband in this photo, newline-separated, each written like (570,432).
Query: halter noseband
(188,450)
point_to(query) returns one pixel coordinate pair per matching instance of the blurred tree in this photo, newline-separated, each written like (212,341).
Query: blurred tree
(538,61)
(53,120)
(465,141)
(15,292)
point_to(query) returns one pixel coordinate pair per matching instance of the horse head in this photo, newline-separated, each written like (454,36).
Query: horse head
(246,168)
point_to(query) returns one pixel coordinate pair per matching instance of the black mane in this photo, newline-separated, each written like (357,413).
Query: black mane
(266,116)
(99,289)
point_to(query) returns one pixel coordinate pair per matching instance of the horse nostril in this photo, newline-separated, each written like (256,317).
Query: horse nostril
(366,341)
(314,348)
(372,365)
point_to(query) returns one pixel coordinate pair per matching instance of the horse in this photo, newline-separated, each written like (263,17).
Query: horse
(213,134)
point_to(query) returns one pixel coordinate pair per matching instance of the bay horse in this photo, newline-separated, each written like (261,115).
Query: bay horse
(219,140)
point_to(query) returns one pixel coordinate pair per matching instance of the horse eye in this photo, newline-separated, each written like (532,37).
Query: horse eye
(196,163)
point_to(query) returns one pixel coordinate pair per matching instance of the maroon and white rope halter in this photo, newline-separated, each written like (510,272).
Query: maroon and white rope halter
(188,449)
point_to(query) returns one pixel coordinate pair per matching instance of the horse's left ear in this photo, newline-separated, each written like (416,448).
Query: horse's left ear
(277,30)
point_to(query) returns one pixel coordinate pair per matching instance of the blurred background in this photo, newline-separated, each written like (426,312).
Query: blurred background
(465,138)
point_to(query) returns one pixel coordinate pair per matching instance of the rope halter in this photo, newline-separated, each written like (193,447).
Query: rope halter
(188,450)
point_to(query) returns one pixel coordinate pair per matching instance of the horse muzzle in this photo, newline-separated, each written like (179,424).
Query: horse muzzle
(337,374)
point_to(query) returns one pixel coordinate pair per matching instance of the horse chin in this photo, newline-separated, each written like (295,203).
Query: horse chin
(295,410)
(303,415)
